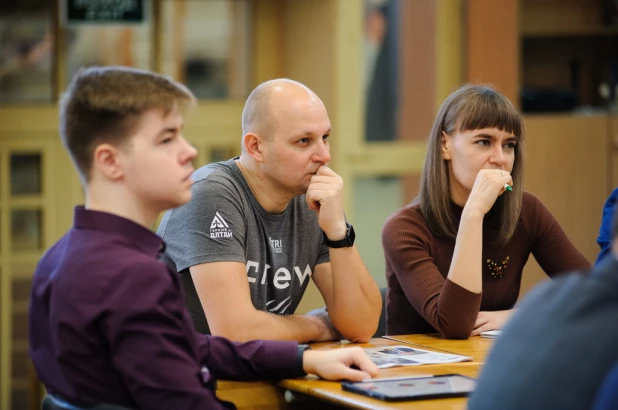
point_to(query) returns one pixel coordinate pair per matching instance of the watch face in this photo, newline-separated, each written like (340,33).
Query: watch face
(351,235)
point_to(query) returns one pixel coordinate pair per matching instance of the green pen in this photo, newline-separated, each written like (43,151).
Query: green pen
(508,187)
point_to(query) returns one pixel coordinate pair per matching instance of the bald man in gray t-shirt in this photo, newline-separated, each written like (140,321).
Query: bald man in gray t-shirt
(261,225)
(224,222)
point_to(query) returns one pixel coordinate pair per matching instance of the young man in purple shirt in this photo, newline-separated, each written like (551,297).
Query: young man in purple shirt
(107,319)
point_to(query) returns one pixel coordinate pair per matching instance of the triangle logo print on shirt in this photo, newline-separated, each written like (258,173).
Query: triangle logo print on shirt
(218,222)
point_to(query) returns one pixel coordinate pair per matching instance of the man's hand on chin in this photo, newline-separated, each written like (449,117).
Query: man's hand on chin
(325,197)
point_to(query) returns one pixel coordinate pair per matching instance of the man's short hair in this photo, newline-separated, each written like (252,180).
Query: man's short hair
(105,104)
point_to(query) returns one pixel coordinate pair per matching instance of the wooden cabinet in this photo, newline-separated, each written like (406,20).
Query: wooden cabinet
(567,167)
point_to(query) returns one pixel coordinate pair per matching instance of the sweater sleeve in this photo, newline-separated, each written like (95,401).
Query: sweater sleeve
(409,248)
(551,247)
(254,360)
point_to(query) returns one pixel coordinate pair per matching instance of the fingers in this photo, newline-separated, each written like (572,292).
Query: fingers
(364,363)
(319,192)
(312,203)
(491,321)
(499,174)
(489,185)
(323,179)
(325,170)
(483,323)
(325,197)
(362,368)
(481,320)
(313,199)
(348,373)
(508,181)
(506,178)
(327,176)
(348,363)
(321,187)
(326,183)
(484,328)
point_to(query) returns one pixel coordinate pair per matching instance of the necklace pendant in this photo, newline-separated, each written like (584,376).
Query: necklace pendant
(497,270)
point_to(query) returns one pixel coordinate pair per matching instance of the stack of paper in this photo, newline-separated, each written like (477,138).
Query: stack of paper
(391,356)
(491,334)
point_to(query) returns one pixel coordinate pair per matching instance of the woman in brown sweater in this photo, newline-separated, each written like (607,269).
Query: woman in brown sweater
(455,255)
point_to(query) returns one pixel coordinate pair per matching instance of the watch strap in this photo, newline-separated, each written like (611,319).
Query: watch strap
(302,348)
(346,242)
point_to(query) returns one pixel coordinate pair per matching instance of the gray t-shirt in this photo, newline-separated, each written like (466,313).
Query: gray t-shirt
(224,222)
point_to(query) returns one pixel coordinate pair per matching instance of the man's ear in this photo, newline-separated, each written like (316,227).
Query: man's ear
(446,145)
(105,160)
(254,146)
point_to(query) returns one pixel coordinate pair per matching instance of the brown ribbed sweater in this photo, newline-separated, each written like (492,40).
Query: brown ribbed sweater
(420,299)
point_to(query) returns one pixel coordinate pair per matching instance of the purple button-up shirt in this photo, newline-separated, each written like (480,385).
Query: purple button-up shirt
(108,325)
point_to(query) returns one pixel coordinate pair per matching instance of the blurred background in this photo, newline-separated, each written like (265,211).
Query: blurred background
(382,67)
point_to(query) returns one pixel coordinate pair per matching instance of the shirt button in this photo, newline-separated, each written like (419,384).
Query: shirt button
(206,376)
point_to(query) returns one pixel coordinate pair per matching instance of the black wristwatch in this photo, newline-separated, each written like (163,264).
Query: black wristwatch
(346,242)
(302,348)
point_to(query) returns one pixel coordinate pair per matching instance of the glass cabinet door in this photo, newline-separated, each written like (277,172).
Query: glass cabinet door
(25,173)
(24,203)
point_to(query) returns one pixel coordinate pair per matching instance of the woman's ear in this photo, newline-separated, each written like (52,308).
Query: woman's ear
(446,144)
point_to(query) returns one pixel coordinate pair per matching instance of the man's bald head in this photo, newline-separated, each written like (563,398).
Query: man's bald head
(260,113)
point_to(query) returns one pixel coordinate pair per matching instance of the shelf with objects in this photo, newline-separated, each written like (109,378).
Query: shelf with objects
(568,87)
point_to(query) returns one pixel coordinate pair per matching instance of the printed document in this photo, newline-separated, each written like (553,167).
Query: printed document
(392,356)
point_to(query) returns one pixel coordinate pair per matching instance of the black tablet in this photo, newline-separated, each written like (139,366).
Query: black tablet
(401,389)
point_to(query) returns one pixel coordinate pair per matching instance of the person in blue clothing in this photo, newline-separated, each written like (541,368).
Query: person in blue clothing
(605,232)
(607,397)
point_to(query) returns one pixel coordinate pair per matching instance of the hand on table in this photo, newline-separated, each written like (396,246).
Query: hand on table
(491,321)
(337,364)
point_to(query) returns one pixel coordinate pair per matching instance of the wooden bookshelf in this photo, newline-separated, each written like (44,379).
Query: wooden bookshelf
(574,31)
(567,45)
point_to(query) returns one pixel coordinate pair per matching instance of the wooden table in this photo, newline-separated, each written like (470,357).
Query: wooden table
(310,392)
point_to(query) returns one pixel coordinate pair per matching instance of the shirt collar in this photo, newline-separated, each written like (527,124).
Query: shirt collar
(141,238)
